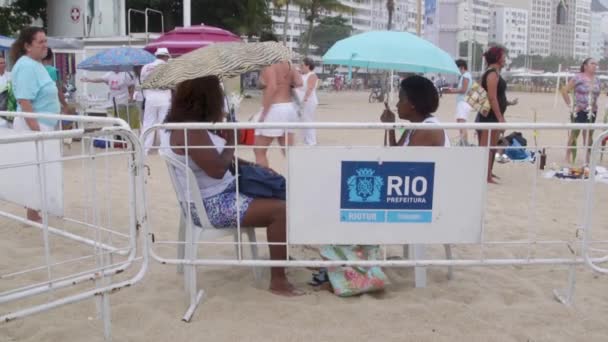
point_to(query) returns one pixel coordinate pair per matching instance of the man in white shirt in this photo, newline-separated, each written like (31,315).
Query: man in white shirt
(121,86)
(156,101)
(120,83)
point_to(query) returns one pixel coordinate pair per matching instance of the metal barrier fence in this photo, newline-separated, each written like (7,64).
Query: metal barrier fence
(533,218)
(90,199)
(530,219)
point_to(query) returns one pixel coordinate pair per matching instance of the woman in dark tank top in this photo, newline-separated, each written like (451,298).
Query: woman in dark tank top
(496,87)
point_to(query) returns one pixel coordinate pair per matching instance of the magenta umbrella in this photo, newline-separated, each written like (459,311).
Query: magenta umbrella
(182,40)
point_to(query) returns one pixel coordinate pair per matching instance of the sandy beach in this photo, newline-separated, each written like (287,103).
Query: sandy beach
(480,304)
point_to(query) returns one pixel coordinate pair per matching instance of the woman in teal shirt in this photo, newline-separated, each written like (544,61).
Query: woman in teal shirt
(34,89)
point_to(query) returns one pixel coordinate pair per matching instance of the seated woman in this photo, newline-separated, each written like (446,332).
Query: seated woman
(201,100)
(418,99)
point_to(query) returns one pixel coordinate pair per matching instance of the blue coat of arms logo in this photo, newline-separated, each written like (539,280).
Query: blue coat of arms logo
(365,186)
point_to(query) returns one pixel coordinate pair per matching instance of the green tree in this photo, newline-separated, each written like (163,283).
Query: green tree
(21,13)
(328,32)
(312,12)
(278,4)
(251,18)
(248,17)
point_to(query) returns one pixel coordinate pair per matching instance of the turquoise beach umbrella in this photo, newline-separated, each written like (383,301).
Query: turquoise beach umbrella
(390,50)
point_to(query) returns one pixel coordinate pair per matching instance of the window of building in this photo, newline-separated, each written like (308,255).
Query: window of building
(562,14)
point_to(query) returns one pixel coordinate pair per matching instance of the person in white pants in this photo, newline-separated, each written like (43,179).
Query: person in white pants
(308,99)
(156,101)
(462,107)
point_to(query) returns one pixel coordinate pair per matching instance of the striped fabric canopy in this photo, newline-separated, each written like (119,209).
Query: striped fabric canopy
(221,59)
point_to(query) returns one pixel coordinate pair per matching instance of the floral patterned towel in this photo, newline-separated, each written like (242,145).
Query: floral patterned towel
(351,281)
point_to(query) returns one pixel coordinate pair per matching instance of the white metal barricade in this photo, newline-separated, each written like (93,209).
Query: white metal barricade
(534,237)
(90,199)
(591,204)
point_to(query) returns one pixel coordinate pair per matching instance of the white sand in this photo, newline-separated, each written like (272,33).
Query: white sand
(480,304)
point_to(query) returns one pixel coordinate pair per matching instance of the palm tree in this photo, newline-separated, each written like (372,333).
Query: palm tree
(390,7)
(312,10)
(251,18)
(279,4)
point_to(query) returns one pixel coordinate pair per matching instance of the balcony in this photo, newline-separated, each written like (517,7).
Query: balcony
(356,5)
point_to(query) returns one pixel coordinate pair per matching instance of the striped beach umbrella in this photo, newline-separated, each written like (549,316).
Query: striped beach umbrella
(221,59)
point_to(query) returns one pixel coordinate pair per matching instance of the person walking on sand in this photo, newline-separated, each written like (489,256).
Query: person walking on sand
(462,107)
(307,94)
(277,82)
(157,101)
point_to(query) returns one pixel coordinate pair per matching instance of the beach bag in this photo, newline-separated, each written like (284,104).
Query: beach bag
(260,182)
(348,281)
(247,135)
(516,151)
(477,98)
(10,102)
(517,136)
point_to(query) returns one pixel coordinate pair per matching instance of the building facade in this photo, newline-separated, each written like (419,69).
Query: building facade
(597,40)
(582,29)
(563,27)
(461,22)
(366,15)
(509,27)
(78,18)
(539,27)
(557,27)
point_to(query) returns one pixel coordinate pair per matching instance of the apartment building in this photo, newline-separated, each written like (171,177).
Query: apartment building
(509,27)
(461,21)
(597,40)
(366,15)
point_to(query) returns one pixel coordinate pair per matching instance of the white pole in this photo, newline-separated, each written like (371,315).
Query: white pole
(187,13)
(84,16)
(123,20)
(470,35)
(559,70)
(390,93)
(291,37)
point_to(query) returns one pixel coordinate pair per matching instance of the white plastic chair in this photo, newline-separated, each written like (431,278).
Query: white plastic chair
(191,234)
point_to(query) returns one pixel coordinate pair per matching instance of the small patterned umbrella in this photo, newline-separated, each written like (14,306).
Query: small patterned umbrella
(221,59)
(120,59)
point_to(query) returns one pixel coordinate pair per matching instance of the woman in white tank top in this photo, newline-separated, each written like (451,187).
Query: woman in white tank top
(307,95)
(201,100)
(418,100)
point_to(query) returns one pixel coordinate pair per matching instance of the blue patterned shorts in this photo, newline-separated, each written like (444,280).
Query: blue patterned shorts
(221,208)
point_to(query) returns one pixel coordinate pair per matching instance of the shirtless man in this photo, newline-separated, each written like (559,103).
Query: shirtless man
(277,82)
